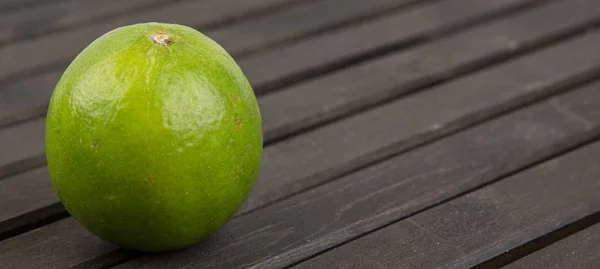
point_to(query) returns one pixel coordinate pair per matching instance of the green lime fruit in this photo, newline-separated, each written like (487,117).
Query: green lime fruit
(153,137)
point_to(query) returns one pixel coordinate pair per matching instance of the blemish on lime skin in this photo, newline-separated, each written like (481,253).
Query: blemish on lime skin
(95,145)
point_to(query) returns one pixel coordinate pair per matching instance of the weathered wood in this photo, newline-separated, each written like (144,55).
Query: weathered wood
(322,53)
(23,194)
(287,23)
(581,103)
(59,49)
(339,148)
(342,146)
(51,16)
(483,224)
(579,251)
(41,249)
(11,5)
(294,22)
(356,88)
(15,202)
(319,219)
(21,147)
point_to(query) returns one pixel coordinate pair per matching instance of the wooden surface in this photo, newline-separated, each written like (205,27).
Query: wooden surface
(578,251)
(398,133)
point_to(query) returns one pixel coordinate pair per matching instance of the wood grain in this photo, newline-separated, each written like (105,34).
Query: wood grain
(305,225)
(276,111)
(61,47)
(579,251)
(21,147)
(308,162)
(288,22)
(339,148)
(311,159)
(47,17)
(384,188)
(353,89)
(288,109)
(12,5)
(321,53)
(27,97)
(296,21)
(15,202)
(490,221)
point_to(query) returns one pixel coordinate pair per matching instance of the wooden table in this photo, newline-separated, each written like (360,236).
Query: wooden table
(398,133)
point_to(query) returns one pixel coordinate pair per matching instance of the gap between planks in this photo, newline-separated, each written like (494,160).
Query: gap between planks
(579,250)
(539,243)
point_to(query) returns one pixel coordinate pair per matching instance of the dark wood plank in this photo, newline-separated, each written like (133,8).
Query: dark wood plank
(26,99)
(486,223)
(12,5)
(294,22)
(589,108)
(60,48)
(319,219)
(19,144)
(283,65)
(23,211)
(287,23)
(347,145)
(578,251)
(353,89)
(50,16)
(14,202)
(47,242)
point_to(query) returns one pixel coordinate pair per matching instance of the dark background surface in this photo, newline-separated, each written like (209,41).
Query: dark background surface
(398,133)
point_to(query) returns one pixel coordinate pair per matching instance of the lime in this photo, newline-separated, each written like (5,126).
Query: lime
(153,137)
